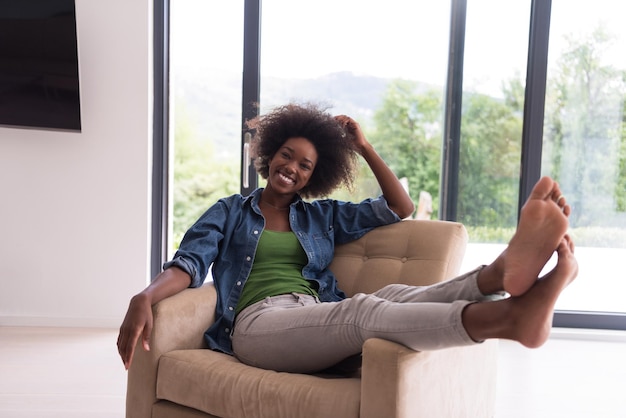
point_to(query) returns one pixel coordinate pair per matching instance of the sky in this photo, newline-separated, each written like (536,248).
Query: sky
(391,38)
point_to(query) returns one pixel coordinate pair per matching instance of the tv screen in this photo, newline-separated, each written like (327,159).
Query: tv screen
(39,85)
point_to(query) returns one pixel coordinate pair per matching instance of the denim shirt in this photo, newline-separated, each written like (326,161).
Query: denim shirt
(225,239)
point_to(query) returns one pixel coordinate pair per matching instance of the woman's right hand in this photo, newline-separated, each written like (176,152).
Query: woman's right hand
(137,324)
(138,320)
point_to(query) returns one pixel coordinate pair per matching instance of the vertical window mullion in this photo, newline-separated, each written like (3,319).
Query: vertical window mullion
(251,84)
(160,152)
(535,95)
(453,111)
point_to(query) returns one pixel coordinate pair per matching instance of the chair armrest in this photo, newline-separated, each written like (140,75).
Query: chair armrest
(398,382)
(179,323)
(181,320)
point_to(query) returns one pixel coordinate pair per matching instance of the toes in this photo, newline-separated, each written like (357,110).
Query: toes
(559,199)
(566,210)
(565,250)
(549,190)
(544,189)
(569,242)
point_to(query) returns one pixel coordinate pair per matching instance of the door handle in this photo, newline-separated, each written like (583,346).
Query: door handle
(247,137)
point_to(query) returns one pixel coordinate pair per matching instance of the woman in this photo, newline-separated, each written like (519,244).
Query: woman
(278,304)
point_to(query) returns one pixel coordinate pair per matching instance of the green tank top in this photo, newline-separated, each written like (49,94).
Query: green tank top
(277,269)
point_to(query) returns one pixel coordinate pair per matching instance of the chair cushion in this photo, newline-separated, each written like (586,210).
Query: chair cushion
(417,253)
(219,384)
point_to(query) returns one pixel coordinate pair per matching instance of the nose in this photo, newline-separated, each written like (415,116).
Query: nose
(291,167)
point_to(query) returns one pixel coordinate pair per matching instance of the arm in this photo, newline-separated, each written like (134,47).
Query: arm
(398,199)
(138,320)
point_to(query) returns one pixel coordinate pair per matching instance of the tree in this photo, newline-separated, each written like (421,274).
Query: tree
(620,184)
(200,176)
(583,132)
(408,135)
(491,132)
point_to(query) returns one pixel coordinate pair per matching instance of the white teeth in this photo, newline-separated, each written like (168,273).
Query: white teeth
(285,178)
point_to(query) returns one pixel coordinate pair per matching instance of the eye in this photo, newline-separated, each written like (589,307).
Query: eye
(305,167)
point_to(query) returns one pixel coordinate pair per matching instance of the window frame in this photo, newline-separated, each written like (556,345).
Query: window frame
(532,135)
(160,138)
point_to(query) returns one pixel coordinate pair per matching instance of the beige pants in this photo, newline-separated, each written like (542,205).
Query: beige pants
(297,333)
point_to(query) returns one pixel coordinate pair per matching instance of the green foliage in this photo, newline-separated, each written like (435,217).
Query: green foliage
(584,148)
(490,234)
(599,237)
(514,93)
(620,184)
(491,132)
(200,176)
(584,130)
(408,135)
(365,186)
(583,237)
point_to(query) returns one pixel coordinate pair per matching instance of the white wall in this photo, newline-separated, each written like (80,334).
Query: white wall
(74,208)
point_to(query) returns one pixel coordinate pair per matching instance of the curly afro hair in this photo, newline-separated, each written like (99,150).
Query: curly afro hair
(337,155)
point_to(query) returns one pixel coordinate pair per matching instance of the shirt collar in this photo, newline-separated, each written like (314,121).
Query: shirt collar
(254,198)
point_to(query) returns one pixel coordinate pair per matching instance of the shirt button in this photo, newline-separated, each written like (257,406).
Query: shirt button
(230,308)
(227,329)
(239,283)
(248,258)
(256,232)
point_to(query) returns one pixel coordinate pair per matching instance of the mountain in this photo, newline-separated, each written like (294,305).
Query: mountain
(210,101)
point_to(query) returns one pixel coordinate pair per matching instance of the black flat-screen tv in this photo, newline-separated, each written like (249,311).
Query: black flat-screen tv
(39,80)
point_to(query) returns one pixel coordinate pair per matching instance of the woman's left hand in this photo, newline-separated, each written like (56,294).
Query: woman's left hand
(397,198)
(353,128)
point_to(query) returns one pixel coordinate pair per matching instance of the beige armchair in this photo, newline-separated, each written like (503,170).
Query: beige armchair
(180,378)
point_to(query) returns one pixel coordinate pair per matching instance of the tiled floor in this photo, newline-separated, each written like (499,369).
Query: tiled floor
(60,373)
(72,373)
(571,376)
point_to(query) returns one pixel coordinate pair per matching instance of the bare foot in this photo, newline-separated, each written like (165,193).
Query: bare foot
(543,223)
(527,318)
(532,312)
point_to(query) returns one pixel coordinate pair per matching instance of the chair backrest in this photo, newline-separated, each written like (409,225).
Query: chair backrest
(413,252)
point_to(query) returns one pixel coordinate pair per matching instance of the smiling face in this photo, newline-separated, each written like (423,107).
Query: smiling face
(291,168)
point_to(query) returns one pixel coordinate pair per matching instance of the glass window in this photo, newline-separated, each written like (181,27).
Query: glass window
(496,51)
(584,144)
(206,43)
(383,63)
